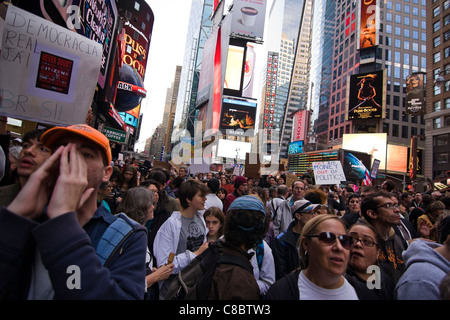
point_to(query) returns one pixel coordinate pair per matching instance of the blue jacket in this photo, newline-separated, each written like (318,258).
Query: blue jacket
(62,242)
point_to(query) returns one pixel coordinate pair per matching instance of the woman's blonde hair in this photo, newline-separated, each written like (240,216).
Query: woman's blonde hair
(309,229)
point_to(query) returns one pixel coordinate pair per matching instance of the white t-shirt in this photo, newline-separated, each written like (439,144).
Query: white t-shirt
(310,291)
(212,201)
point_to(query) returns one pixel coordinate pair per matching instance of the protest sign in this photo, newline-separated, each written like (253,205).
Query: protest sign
(48,73)
(328,172)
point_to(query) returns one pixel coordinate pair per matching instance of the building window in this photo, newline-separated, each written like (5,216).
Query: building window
(395,115)
(395,130)
(405,132)
(437,106)
(436,26)
(440,140)
(441,157)
(437,57)
(447,103)
(436,11)
(437,124)
(436,41)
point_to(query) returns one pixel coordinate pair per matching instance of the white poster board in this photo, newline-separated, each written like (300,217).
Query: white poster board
(48,73)
(328,172)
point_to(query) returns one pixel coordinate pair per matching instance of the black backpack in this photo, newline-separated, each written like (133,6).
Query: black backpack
(194,281)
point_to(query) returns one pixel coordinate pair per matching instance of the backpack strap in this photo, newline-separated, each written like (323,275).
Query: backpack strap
(113,237)
(234,260)
(260,254)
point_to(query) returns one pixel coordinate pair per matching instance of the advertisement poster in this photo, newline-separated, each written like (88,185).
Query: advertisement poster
(248,18)
(415,94)
(368,24)
(237,114)
(48,73)
(295,147)
(300,119)
(366,95)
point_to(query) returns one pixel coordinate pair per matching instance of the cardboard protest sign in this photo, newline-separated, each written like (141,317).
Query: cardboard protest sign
(328,172)
(48,73)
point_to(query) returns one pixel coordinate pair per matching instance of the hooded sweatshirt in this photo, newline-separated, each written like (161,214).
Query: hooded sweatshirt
(425,270)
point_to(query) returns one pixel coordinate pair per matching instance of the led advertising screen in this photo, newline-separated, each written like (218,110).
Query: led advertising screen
(355,164)
(237,114)
(298,163)
(366,95)
(374,144)
(368,24)
(233,72)
(248,17)
(415,94)
(295,147)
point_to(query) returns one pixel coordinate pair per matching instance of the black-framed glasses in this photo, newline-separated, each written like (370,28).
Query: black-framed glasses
(365,242)
(329,238)
(388,206)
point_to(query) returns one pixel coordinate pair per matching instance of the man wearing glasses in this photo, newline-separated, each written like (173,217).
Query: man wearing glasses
(383,214)
(284,216)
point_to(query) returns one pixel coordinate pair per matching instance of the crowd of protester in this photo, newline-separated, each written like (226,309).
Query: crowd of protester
(302,240)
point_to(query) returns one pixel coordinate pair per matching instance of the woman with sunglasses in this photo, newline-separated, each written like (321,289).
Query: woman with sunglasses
(324,248)
(363,255)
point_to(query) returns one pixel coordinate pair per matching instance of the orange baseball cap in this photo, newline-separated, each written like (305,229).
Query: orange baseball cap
(50,136)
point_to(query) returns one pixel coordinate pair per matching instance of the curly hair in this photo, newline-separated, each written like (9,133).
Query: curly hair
(245,227)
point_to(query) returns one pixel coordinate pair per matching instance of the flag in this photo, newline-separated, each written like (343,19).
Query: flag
(366,181)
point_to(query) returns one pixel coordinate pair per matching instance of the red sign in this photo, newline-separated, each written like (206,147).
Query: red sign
(299,126)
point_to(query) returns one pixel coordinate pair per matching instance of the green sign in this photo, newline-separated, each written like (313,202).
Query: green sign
(115,135)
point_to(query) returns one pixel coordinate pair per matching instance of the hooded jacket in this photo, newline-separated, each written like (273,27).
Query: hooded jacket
(425,270)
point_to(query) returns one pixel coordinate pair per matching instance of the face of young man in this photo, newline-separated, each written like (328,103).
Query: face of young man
(298,190)
(387,212)
(92,154)
(31,157)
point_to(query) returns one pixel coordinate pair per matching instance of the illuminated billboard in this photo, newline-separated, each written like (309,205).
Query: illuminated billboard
(300,121)
(233,149)
(299,163)
(374,144)
(248,18)
(415,94)
(368,35)
(366,96)
(397,158)
(237,114)
(295,147)
(233,72)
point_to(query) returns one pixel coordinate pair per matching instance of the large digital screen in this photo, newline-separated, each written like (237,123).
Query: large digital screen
(298,163)
(366,95)
(237,114)
(233,72)
(374,144)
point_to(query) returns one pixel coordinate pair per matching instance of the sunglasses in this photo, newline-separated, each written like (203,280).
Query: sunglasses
(329,239)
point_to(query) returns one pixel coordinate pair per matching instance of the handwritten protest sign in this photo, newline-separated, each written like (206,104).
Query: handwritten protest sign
(48,73)
(328,172)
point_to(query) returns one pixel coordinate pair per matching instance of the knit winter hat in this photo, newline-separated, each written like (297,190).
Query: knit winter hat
(239,180)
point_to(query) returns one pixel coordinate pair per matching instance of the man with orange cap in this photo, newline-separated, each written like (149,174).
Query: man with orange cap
(49,233)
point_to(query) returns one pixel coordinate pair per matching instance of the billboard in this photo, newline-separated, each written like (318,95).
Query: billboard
(397,158)
(366,95)
(233,71)
(299,163)
(300,120)
(237,114)
(415,94)
(271,91)
(368,35)
(248,17)
(233,149)
(355,164)
(295,147)
(374,144)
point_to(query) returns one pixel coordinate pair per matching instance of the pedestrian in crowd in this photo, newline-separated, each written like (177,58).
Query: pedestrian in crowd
(31,157)
(275,200)
(103,194)
(221,194)
(416,212)
(160,212)
(285,250)
(128,178)
(240,189)
(417,201)
(405,229)
(405,199)
(263,265)
(138,204)
(353,210)
(387,186)
(215,222)
(183,173)
(364,254)
(284,215)
(211,198)
(170,203)
(35,256)
(382,213)
(427,264)
(365,191)
(184,233)
(427,223)
(245,227)
(324,249)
